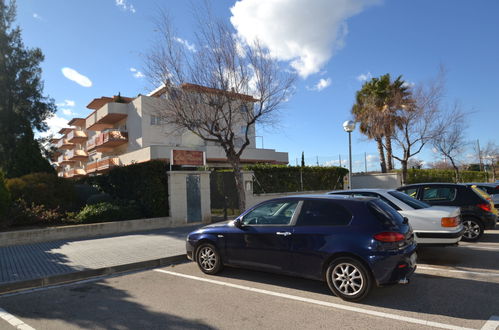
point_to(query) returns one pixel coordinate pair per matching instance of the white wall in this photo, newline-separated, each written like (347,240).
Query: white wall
(377,180)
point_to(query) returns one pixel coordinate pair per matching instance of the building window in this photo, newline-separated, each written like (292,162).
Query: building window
(156,120)
(243,130)
(244,108)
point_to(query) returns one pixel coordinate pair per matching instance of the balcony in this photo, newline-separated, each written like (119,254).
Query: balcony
(77,136)
(64,144)
(110,139)
(77,155)
(77,172)
(105,117)
(64,160)
(102,164)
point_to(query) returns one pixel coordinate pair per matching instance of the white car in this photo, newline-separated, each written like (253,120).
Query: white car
(435,225)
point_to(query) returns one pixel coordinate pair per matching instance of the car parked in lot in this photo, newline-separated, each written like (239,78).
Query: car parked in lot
(476,212)
(435,225)
(492,189)
(351,243)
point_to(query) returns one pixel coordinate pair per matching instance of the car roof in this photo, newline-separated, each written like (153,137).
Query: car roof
(325,196)
(434,184)
(367,189)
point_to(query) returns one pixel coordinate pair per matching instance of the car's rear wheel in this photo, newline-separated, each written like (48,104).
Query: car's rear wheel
(208,259)
(473,230)
(348,279)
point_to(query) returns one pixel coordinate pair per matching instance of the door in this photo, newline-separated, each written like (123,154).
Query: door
(264,239)
(439,195)
(193,191)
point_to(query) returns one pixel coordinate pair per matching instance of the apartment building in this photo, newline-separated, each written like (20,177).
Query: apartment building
(121,131)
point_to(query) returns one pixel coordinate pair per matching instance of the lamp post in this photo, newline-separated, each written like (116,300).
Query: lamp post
(349,126)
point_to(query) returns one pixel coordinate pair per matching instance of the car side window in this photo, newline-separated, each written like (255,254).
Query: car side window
(413,192)
(323,213)
(439,194)
(271,213)
(376,195)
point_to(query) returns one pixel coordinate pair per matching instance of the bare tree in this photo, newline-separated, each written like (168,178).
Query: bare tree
(415,163)
(218,87)
(450,140)
(418,122)
(491,155)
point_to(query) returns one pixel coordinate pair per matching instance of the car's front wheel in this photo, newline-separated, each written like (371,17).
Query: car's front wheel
(208,259)
(348,279)
(473,230)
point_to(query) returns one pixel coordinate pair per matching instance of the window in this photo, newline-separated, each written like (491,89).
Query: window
(439,194)
(242,130)
(244,108)
(156,120)
(413,192)
(323,213)
(412,202)
(376,195)
(385,214)
(272,213)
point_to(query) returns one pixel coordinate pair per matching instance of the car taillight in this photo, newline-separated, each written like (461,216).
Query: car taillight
(450,222)
(485,207)
(389,236)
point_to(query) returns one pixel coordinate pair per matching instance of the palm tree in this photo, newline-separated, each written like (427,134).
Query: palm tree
(376,109)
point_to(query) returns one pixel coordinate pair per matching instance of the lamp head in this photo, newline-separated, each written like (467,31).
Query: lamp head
(349,126)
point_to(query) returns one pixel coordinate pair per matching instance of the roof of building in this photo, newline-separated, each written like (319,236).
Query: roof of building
(203,89)
(98,103)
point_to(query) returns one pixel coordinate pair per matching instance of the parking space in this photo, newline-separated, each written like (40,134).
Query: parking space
(453,288)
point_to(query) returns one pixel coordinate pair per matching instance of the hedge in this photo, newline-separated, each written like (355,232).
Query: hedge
(5,199)
(145,183)
(283,178)
(436,175)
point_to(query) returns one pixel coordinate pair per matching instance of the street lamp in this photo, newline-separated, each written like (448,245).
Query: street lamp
(349,126)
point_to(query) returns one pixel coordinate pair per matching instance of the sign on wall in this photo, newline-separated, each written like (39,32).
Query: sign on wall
(188,157)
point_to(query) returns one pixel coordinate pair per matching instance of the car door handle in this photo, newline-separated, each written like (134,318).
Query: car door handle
(283,233)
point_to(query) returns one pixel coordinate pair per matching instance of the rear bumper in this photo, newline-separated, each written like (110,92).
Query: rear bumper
(390,268)
(489,221)
(435,238)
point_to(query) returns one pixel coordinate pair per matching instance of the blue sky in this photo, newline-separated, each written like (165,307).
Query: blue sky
(339,42)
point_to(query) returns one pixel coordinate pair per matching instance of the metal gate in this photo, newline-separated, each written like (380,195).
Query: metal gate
(193,183)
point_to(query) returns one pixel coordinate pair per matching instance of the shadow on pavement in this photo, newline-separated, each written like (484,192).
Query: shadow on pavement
(489,237)
(91,306)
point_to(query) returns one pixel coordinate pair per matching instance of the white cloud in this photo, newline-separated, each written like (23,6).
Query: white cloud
(187,44)
(55,123)
(364,76)
(66,103)
(36,16)
(137,73)
(408,84)
(321,84)
(124,5)
(372,158)
(67,112)
(307,33)
(77,77)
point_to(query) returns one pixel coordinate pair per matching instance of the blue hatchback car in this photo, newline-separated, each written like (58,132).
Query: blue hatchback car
(351,243)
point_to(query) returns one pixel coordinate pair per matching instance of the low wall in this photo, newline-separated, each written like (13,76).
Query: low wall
(31,236)
(377,180)
(252,199)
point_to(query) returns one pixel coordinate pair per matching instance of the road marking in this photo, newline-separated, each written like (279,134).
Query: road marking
(458,271)
(492,323)
(319,302)
(14,321)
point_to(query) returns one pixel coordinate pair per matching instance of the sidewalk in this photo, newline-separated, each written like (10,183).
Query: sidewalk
(42,264)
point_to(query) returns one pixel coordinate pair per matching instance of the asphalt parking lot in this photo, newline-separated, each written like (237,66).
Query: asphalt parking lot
(453,288)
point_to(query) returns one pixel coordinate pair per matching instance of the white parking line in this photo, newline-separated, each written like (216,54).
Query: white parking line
(14,321)
(318,302)
(423,267)
(491,324)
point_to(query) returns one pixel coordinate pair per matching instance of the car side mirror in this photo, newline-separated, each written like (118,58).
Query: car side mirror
(238,223)
(406,221)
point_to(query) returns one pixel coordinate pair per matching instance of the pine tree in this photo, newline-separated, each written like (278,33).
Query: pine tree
(23,107)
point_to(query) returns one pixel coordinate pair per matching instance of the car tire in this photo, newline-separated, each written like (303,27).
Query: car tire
(208,259)
(348,279)
(473,230)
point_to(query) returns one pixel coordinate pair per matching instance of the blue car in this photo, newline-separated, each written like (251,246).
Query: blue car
(351,243)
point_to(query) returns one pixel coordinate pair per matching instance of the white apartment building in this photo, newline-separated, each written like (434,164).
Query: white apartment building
(121,131)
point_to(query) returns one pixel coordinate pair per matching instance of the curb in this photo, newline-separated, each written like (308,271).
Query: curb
(86,274)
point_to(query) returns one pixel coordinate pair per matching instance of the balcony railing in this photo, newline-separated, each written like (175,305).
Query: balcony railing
(110,139)
(64,144)
(77,136)
(64,160)
(77,155)
(76,172)
(106,116)
(102,164)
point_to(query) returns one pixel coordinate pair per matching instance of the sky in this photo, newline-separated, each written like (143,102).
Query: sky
(97,48)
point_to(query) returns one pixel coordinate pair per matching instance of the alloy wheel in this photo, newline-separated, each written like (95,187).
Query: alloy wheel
(207,258)
(347,279)
(471,229)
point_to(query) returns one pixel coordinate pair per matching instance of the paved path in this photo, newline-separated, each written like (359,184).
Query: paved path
(42,260)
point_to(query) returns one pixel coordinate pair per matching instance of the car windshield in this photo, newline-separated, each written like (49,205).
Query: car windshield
(412,202)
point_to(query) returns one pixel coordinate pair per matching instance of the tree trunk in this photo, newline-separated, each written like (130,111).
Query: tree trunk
(238,178)
(404,171)
(389,159)
(456,170)
(381,155)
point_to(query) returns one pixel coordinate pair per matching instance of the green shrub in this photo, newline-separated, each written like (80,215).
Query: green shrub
(43,189)
(146,183)
(5,200)
(24,214)
(99,198)
(436,175)
(106,211)
(83,192)
(282,178)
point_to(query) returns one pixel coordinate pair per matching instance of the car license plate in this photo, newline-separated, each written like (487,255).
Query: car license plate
(413,258)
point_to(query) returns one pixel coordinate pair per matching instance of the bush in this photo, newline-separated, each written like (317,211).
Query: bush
(436,175)
(23,214)
(83,192)
(99,198)
(282,178)
(101,212)
(146,183)
(5,200)
(43,189)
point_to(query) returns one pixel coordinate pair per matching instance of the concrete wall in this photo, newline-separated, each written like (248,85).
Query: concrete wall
(177,195)
(377,180)
(31,236)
